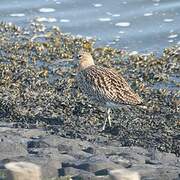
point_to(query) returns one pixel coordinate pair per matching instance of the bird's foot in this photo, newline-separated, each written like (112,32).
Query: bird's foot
(110,124)
(104,125)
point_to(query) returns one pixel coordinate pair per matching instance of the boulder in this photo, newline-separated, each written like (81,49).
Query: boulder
(23,171)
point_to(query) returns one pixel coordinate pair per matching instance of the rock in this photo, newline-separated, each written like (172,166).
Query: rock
(96,166)
(55,154)
(33,151)
(64,148)
(50,165)
(178,178)
(92,164)
(33,133)
(73,164)
(23,171)
(149,161)
(10,149)
(84,176)
(61,143)
(37,144)
(166,158)
(70,171)
(123,174)
(102,172)
(90,150)
(50,168)
(132,154)
(80,155)
(160,171)
(121,161)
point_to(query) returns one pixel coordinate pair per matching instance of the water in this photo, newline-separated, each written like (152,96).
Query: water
(135,25)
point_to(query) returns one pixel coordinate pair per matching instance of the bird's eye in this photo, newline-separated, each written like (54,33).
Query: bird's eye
(79,56)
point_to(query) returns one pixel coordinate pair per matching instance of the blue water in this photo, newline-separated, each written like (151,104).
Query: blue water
(135,25)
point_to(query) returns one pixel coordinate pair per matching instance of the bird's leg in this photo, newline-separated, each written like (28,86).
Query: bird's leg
(107,118)
(104,125)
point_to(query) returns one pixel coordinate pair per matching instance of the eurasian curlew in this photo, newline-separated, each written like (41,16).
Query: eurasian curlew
(104,85)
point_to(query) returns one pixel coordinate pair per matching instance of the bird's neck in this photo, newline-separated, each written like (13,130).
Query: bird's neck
(85,64)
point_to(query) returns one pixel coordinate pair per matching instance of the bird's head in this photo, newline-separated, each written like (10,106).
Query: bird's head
(84,60)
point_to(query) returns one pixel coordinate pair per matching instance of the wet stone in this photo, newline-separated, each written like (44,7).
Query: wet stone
(37,144)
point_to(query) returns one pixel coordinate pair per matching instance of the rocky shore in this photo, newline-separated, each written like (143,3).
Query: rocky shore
(75,158)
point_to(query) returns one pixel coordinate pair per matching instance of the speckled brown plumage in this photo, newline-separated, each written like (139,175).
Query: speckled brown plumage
(104,85)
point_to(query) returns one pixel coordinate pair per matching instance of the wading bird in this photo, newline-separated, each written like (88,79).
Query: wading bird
(103,85)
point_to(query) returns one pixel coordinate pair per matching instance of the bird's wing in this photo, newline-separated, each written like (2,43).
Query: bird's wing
(110,85)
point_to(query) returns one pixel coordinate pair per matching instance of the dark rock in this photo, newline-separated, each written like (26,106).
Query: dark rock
(102,172)
(90,150)
(73,164)
(33,151)
(37,144)
(178,178)
(70,171)
(154,162)
(85,176)
(92,164)
(96,166)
